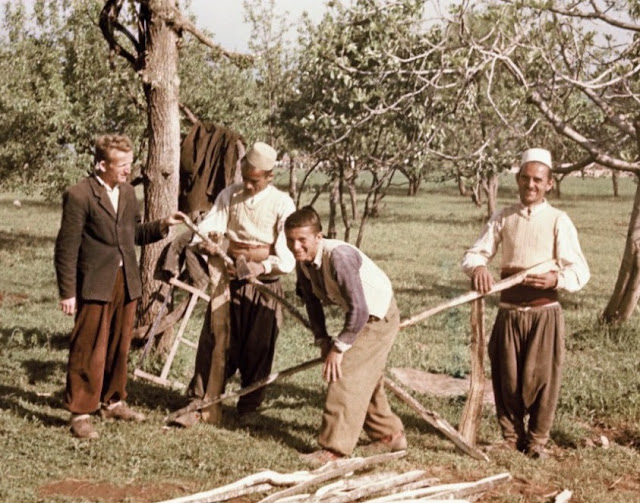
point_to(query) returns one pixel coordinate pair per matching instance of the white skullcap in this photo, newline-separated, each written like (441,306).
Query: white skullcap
(261,156)
(536,155)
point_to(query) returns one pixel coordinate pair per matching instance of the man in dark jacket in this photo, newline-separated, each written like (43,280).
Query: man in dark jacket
(99,281)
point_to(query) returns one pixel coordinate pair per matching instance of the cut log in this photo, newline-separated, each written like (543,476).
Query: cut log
(373,488)
(473,487)
(333,470)
(447,492)
(215,495)
(472,412)
(435,421)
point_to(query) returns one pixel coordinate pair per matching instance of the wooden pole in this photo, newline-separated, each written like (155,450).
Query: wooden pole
(516,279)
(436,421)
(275,376)
(472,412)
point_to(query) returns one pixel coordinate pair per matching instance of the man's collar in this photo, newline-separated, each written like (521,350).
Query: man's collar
(532,210)
(104,184)
(317,262)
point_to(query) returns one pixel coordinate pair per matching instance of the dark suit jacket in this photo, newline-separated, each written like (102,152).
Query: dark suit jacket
(93,239)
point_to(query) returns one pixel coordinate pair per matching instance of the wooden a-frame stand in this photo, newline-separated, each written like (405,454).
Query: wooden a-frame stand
(162,379)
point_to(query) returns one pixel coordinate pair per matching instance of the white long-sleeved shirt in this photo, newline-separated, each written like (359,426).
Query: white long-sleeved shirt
(217,220)
(572,268)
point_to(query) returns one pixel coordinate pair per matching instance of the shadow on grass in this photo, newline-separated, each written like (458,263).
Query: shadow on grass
(12,399)
(33,337)
(11,241)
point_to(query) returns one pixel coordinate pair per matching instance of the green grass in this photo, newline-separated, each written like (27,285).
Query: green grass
(419,242)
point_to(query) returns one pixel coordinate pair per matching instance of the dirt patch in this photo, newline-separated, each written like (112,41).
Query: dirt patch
(13,299)
(437,384)
(110,493)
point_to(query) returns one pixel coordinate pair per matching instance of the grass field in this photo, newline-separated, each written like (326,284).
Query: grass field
(419,242)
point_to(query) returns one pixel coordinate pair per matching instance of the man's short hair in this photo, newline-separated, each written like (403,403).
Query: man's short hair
(304,217)
(107,142)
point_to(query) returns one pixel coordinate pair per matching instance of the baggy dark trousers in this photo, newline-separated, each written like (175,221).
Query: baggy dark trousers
(98,351)
(255,323)
(526,350)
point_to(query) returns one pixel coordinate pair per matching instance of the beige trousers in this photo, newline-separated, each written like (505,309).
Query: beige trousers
(358,399)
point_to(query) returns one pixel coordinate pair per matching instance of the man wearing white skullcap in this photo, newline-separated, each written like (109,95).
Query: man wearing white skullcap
(526,348)
(251,217)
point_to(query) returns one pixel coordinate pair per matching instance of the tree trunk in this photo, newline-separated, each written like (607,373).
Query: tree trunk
(476,194)
(614,180)
(557,181)
(343,206)
(625,295)
(353,196)
(462,188)
(293,179)
(333,209)
(490,187)
(161,85)
(414,185)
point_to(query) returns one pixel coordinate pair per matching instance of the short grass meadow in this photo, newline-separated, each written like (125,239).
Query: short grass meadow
(419,242)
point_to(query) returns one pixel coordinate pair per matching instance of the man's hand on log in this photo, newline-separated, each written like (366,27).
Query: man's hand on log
(331,370)
(542,281)
(482,280)
(68,306)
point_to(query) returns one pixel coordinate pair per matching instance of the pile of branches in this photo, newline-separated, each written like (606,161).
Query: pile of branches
(337,482)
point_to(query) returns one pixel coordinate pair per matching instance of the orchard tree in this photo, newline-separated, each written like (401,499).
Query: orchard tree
(57,93)
(363,99)
(146,33)
(587,53)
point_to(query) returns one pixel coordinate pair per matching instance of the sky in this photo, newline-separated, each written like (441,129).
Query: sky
(226,18)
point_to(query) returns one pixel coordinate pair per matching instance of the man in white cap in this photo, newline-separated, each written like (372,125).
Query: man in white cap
(251,216)
(526,348)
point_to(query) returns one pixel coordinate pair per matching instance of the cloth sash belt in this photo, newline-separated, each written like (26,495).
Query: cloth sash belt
(253,253)
(525,295)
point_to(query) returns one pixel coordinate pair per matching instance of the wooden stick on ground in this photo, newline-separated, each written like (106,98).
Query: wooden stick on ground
(342,467)
(516,279)
(373,488)
(436,421)
(275,376)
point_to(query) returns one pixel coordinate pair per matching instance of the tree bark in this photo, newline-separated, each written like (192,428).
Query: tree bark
(333,209)
(615,174)
(625,295)
(490,187)
(293,179)
(162,86)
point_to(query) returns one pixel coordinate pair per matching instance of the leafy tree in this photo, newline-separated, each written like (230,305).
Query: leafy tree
(585,54)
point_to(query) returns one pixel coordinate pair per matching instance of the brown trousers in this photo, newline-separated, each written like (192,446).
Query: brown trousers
(98,352)
(255,323)
(358,400)
(527,353)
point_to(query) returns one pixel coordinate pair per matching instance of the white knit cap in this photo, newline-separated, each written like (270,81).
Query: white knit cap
(536,155)
(261,156)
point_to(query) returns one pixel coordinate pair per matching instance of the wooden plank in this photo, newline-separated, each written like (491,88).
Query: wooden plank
(472,412)
(516,279)
(435,421)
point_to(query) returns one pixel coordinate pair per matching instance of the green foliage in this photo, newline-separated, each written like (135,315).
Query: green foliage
(58,92)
